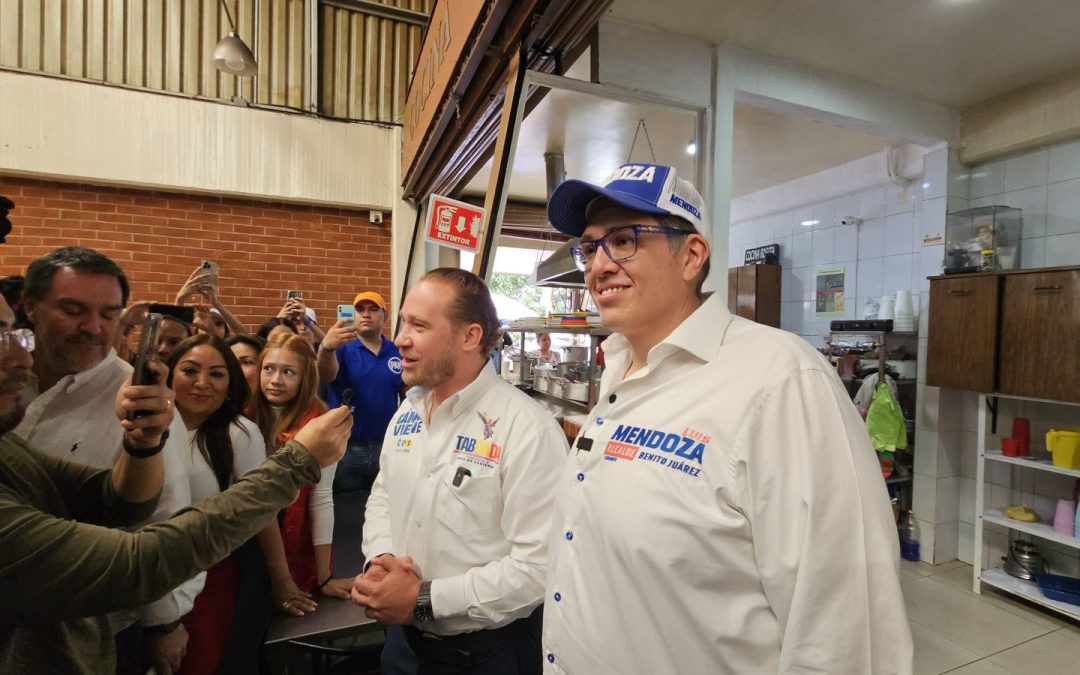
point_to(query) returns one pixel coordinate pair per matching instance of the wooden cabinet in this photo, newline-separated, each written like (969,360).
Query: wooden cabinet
(1040,335)
(962,332)
(754,293)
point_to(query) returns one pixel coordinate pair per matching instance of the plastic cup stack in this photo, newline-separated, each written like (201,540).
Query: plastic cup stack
(904,312)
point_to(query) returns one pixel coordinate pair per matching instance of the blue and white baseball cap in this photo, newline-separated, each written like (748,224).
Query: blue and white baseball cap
(649,188)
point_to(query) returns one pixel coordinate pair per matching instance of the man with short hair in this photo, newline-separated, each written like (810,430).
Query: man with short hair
(75,298)
(457,520)
(60,573)
(722,508)
(357,356)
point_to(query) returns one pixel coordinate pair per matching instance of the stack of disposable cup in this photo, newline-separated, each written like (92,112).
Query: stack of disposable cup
(904,313)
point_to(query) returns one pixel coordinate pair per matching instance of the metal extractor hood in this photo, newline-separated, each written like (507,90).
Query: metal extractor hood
(559,269)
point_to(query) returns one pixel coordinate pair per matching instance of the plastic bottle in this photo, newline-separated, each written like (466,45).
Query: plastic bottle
(909,536)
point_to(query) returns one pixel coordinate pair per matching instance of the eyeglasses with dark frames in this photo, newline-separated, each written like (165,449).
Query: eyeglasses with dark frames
(619,244)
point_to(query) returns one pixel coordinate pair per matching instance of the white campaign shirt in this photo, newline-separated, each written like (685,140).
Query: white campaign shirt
(729,517)
(76,420)
(481,542)
(249,451)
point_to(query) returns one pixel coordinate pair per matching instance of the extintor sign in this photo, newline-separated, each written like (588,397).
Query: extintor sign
(453,223)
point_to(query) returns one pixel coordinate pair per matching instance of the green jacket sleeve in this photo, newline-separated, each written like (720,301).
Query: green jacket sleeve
(52,569)
(90,495)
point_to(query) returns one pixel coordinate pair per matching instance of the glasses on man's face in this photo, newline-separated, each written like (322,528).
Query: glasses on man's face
(24,337)
(619,244)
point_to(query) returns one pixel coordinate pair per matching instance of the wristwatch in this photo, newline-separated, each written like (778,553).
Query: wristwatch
(423,612)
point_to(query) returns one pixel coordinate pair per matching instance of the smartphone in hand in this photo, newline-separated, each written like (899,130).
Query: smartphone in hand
(209,267)
(347,313)
(144,355)
(298,295)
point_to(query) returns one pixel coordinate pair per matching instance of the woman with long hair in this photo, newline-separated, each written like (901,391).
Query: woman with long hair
(210,394)
(286,401)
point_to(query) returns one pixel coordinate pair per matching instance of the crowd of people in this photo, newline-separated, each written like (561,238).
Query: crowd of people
(720,510)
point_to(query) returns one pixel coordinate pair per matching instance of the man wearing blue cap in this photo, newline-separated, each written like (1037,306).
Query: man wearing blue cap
(721,509)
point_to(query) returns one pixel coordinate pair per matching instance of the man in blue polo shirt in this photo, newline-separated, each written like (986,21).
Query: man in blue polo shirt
(356,356)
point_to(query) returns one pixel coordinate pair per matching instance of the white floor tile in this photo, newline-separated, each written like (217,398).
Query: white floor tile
(983,667)
(935,654)
(963,618)
(1049,654)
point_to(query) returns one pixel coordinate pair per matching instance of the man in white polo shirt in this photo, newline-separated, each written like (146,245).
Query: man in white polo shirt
(722,510)
(457,521)
(74,296)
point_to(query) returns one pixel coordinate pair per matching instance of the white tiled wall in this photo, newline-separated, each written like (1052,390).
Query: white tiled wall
(882,255)
(1046,185)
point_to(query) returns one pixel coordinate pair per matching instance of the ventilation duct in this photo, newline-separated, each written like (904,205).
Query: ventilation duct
(559,269)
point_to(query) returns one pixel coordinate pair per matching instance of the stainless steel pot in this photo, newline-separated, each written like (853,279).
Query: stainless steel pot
(1024,561)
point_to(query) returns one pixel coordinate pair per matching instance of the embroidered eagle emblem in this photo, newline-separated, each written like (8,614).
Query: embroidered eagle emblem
(489,425)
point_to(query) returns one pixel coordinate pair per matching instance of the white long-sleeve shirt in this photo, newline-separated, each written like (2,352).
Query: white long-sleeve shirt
(75,419)
(481,542)
(249,451)
(729,517)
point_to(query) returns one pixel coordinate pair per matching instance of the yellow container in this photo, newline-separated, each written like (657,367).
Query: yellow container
(1064,445)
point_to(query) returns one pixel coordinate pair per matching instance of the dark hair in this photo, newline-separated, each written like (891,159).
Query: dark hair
(40,274)
(12,289)
(272,424)
(272,323)
(676,243)
(175,319)
(212,436)
(254,341)
(471,303)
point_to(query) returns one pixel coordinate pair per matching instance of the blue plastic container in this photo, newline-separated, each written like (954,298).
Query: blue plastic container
(1062,589)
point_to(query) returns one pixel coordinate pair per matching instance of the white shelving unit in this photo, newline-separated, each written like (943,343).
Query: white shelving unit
(985,513)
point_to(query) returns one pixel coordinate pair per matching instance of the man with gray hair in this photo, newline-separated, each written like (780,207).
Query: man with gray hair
(722,510)
(75,297)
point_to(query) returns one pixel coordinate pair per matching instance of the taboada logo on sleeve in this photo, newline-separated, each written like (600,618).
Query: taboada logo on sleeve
(483,451)
(679,452)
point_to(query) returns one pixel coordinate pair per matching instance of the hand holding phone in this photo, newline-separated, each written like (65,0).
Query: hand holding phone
(347,313)
(143,374)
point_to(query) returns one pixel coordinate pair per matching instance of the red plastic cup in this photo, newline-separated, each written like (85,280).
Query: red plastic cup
(1011,447)
(1021,430)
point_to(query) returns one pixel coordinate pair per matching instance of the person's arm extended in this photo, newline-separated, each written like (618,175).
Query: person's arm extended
(338,335)
(87,570)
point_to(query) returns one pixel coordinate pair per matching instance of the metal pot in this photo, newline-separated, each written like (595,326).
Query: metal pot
(1024,561)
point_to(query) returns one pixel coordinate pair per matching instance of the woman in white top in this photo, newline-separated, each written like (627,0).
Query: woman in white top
(546,355)
(210,393)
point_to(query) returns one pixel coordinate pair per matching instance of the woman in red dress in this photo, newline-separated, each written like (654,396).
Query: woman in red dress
(286,401)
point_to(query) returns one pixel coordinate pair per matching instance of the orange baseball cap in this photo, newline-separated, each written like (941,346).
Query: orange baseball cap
(370,296)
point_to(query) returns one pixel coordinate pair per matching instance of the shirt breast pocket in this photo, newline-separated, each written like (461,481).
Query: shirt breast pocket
(472,508)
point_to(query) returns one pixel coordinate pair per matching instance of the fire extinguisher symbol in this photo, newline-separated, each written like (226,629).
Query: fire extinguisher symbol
(446,217)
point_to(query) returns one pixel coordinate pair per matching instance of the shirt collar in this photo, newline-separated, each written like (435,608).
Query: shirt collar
(701,334)
(70,384)
(459,402)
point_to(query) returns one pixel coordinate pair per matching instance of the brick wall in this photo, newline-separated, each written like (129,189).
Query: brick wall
(159,238)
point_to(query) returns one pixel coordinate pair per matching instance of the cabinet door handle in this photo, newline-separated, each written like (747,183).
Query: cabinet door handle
(1048,288)
(961,291)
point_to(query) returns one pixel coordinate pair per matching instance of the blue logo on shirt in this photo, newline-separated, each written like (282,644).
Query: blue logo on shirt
(407,424)
(394,364)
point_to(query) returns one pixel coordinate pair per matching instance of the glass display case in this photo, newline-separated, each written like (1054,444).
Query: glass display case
(983,239)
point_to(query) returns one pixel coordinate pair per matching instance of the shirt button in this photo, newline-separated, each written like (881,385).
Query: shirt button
(611,399)
(558,597)
(569,536)
(581,477)
(551,658)
(599,421)
(419,523)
